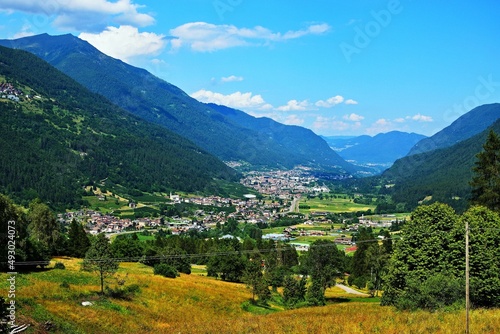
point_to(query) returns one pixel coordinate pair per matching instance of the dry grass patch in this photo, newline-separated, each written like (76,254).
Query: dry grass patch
(199,304)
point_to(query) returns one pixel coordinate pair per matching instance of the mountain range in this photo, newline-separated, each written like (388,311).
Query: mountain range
(121,124)
(216,130)
(378,152)
(443,173)
(59,137)
(466,126)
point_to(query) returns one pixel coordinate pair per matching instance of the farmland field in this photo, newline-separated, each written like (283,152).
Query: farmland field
(334,205)
(199,304)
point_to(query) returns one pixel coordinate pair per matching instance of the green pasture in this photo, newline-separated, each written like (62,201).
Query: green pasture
(382,218)
(334,205)
(110,204)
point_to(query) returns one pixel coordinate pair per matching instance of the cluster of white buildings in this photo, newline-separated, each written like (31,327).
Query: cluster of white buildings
(283,184)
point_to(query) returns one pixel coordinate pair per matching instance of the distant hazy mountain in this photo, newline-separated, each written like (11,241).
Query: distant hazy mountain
(63,137)
(155,100)
(294,139)
(466,126)
(382,149)
(442,174)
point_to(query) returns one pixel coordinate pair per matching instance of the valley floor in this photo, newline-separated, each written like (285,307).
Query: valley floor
(51,301)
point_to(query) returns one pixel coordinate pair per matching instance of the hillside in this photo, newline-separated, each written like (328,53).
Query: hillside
(382,149)
(296,140)
(440,175)
(63,136)
(199,304)
(158,101)
(466,126)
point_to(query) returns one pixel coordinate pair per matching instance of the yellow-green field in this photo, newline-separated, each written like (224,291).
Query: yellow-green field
(334,205)
(198,304)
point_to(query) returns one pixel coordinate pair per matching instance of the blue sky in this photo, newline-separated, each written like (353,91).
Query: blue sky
(336,67)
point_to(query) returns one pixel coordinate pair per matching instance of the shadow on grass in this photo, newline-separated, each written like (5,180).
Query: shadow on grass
(258,308)
(340,300)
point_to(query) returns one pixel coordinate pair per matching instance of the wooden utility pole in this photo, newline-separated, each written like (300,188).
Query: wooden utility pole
(467,304)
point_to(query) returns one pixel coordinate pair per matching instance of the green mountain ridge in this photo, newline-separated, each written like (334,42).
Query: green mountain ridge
(158,101)
(64,137)
(464,127)
(294,139)
(439,175)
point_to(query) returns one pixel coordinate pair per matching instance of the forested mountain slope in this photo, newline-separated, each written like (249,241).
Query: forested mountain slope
(298,141)
(158,101)
(466,126)
(60,136)
(439,175)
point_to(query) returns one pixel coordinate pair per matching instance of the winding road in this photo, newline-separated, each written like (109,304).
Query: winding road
(349,290)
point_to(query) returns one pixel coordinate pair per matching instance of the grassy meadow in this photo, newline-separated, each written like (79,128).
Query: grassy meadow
(199,304)
(334,205)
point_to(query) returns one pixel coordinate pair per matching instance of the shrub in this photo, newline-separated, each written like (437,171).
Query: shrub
(64,285)
(126,292)
(315,295)
(165,270)
(436,292)
(59,265)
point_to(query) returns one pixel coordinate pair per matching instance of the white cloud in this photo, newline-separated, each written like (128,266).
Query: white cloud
(421,118)
(84,15)
(382,125)
(266,106)
(25,32)
(353,117)
(126,42)
(322,123)
(231,78)
(234,100)
(158,62)
(326,123)
(315,29)
(353,21)
(294,105)
(207,37)
(332,101)
(293,120)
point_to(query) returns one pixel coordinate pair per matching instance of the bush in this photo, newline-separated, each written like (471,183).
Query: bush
(64,285)
(294,291)
(315,295)
(359,282)
(165,270)
(436,292)
(126,292)
(59,265)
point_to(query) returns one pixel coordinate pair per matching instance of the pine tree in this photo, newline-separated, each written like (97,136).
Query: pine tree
(43,226)
(486,181)
(79,242)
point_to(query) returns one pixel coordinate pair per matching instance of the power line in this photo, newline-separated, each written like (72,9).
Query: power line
(241,252)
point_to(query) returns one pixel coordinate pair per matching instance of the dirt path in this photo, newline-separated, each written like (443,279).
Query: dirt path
(349,290)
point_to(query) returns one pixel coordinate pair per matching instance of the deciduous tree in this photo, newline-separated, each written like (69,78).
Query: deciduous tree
(484,250)
(324,262)
(43,226)
(99,258)
(430,244)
